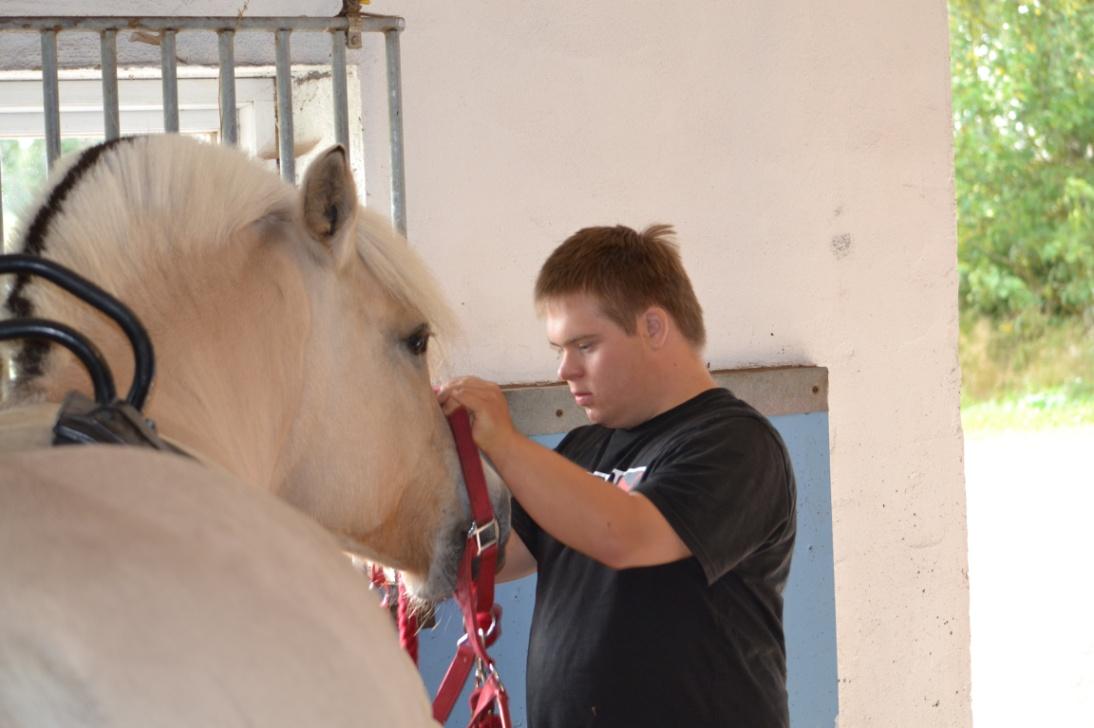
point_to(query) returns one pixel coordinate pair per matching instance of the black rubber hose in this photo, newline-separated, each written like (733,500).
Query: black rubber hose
(144,369)
(92,359)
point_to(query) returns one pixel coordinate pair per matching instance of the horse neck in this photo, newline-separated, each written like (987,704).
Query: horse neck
(229,342)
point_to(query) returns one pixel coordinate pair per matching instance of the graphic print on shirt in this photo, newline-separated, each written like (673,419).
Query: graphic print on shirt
(625,479)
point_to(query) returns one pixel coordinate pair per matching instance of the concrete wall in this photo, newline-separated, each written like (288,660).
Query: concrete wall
(803,152)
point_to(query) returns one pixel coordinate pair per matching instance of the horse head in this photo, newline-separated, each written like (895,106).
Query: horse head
(292,330)
(368,406)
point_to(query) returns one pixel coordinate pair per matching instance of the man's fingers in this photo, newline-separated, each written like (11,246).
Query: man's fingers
(445,391)
(452,396)
(469,392)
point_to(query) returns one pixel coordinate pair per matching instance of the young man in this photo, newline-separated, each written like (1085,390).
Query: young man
(659,592)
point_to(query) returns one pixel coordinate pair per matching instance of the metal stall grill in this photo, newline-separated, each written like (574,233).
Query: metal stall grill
(345,31)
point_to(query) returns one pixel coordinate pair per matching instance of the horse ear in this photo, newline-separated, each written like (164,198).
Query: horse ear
(330,201)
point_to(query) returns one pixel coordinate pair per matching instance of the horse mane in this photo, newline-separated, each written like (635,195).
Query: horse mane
(129,214)
(113,208)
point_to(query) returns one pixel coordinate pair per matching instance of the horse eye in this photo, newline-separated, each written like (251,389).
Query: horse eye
(418,342)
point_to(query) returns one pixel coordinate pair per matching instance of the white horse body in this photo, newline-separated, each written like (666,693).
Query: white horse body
(143,589)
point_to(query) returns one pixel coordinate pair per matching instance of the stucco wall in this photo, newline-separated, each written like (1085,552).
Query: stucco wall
(803,152)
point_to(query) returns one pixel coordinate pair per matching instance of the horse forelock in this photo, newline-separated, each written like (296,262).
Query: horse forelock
(403,273)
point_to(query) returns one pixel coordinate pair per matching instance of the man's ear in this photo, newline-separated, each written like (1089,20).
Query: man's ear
(655,323)
(330,202)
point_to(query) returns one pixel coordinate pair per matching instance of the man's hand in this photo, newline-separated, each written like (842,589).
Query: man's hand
(491,424)
(617,528)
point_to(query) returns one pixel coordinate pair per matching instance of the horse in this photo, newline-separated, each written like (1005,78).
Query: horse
(292,332)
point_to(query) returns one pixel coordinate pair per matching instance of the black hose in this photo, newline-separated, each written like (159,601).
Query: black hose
(144,369)
(92,359)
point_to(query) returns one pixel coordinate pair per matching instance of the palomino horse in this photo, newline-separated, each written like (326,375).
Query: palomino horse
(291,329)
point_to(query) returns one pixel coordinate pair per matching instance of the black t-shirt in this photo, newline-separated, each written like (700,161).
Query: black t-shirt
(697,642)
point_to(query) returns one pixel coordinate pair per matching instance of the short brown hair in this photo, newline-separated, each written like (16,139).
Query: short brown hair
(627,272)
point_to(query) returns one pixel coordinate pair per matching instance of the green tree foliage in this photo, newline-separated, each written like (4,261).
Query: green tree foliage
(1023,106)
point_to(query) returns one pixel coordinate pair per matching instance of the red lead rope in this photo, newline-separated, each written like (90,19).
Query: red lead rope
(481,617)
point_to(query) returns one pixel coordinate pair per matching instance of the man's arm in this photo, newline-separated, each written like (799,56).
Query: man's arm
(616,528)
(519,561)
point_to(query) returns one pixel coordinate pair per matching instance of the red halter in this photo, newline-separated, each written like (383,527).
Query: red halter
(475,596)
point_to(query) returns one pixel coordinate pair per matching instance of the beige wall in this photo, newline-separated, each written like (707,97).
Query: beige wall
(803,151)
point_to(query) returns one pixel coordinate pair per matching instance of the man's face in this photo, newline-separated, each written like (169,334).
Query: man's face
(603,365)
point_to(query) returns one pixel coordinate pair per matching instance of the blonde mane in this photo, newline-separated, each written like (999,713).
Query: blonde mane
(150,210)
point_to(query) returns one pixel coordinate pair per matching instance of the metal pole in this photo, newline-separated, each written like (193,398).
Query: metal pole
(96,24)
(395,118)
(3,249)
(228,125)
(51,96)
(169,66)
(338,80)
(284,107)
(108,46)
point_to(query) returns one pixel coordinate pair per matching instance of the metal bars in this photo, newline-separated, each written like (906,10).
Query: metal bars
(343,30)
(338,40)
(287,158)
(229,130)
(108,43)
(395,120)
(51,96)
(169,67)
(97,24)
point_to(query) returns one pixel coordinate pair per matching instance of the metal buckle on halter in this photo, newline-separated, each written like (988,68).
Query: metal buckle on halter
(492,531)
(485,670)
(490,632)
(483,674)
(484,634)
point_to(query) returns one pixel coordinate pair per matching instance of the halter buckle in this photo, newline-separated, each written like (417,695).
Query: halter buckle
(485,536)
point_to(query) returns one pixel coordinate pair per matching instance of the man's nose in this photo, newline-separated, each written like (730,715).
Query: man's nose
(568,368)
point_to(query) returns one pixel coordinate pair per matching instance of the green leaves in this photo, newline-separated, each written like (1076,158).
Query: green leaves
(1023,106)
